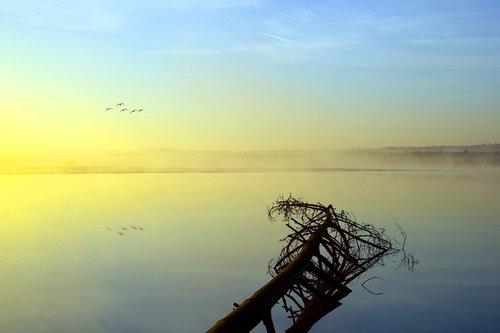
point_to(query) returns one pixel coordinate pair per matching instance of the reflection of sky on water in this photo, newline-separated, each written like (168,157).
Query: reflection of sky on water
(207,242)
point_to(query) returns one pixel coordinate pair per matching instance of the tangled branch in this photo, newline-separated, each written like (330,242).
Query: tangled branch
(346,250)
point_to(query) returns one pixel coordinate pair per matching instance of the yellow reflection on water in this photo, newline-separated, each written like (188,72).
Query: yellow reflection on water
(205,241)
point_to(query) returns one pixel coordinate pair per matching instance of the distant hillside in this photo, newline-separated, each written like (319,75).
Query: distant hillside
(473,155)
(483,148)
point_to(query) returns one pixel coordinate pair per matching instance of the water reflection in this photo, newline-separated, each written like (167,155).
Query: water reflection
(122,231)
(207,242)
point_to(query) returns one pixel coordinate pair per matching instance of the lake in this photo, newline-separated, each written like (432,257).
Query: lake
(206,242)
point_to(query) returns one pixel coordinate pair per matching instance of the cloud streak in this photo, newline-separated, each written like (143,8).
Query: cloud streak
(222,4)
(200,51)
(281,39)
(65,15)
(203,5)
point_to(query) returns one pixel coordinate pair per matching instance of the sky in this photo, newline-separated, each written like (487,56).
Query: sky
(247,74)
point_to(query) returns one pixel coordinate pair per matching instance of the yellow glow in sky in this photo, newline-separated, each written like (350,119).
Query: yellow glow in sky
(244,76)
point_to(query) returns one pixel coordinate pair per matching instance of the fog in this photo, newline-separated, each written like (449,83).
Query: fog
(169,160)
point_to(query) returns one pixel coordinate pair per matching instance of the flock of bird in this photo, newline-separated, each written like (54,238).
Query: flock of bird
(121,107)
(121,230)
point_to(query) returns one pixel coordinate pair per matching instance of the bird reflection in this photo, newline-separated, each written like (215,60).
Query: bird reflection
(122,230)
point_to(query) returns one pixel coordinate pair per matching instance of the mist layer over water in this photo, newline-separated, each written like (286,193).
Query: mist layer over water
(171,161)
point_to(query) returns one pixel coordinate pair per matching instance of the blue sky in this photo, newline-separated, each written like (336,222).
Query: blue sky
(400,72)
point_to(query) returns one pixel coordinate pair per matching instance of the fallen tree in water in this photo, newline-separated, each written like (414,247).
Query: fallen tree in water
(325,251)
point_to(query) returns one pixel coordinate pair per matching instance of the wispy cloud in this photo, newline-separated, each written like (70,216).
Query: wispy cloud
(282,51)
(221,4)
(208,5)
(306,12)
(66,15)
(459,41)
(282,39)
(200,51)
(273,47)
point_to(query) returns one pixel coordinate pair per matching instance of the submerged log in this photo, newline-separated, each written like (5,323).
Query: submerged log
(325,251)
(252,311)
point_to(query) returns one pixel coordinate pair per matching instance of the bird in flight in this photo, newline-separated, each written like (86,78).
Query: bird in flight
(121,107)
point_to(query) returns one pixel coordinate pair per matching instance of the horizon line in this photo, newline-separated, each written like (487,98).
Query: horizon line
(274,150)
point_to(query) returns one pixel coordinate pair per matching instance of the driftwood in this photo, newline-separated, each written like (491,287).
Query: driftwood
(325,251)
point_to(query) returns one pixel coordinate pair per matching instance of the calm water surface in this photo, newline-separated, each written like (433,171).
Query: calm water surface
(206,243)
